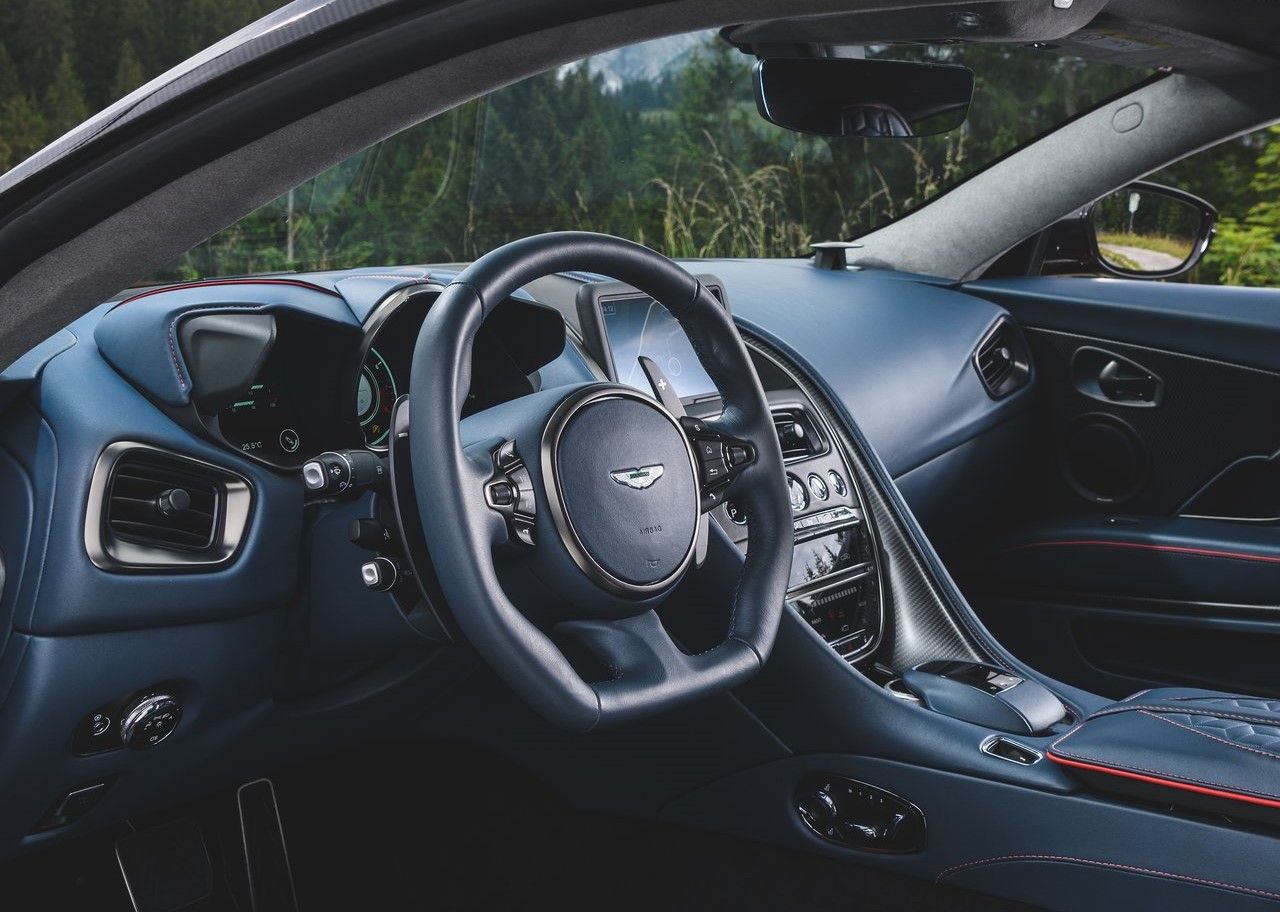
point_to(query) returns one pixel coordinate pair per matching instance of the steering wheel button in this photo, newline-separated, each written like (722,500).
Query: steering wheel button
(502,494)
(714,470)
(710,449)
(523,531)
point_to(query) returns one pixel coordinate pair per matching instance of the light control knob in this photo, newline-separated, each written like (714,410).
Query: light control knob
(342,471)
(149,720)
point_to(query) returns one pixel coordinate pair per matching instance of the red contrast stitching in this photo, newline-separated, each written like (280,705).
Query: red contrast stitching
(1068,859)
(297,283)
(1158,777)
(1140,546)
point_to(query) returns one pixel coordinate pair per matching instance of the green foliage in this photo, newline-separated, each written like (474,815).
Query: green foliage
(1246,250)
(680,161)
(63,103)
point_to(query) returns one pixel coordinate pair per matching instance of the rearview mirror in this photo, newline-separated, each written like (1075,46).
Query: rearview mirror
(1150,231)
(839,96)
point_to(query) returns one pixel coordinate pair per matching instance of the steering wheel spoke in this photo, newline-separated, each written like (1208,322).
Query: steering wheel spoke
(643,664)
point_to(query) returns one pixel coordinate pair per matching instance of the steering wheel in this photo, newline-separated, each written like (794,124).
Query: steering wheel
(590,501)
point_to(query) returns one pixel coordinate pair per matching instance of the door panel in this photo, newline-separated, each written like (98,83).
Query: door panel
(1148,550)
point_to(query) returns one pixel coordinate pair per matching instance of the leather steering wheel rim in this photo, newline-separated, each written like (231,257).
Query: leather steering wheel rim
(450,472)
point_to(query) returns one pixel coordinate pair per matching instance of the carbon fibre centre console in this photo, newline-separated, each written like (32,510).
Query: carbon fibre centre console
(835,577)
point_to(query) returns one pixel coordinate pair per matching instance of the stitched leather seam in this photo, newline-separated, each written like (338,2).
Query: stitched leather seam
(398,278)
(1113,865)
(1196,731)
(210,283)
(173,328)
(1260,718)
(1141,546)
(1162,774)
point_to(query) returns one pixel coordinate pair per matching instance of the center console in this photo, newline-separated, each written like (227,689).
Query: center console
(835,583)
(835,580)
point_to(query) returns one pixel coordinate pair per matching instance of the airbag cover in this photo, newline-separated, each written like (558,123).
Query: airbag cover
(626,480)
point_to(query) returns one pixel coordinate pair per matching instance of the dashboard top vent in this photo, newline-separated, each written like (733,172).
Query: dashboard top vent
(797,434)
(1003,360)
(151,509)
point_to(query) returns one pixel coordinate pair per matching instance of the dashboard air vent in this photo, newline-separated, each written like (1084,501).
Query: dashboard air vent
(158,500)
(1003,360)
(151,509)
(797,434)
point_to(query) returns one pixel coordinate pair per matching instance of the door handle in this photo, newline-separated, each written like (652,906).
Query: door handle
(1127,382)
(1114,379)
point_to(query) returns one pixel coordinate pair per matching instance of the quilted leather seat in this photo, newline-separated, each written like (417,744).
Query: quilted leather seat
(1183,747)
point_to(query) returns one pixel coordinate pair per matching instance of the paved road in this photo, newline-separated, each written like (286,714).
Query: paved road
(1147,260)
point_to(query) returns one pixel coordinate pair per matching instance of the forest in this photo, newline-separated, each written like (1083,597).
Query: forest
(678,160)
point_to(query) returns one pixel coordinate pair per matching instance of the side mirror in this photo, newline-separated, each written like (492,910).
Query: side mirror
(1149,231)
(842,96)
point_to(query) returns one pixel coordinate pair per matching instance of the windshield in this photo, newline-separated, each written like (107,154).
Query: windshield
(659,142)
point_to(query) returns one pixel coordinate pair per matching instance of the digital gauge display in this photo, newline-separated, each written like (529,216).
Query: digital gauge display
(261,422)
(375,395)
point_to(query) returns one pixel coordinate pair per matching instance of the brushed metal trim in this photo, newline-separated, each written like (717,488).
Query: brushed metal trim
(553,488)
(987,748)
(235,504)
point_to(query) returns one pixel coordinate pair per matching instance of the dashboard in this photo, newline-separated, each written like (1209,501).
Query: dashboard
(237,383)
(321,385)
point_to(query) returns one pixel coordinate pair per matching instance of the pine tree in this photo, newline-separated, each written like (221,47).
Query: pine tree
(63,100)
(42,35)
(21,126)
(129,73)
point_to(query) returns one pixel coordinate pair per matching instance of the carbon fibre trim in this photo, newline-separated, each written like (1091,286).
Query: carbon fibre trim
(920,627)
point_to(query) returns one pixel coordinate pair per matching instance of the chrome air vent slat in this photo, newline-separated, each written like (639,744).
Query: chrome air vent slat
(127,530)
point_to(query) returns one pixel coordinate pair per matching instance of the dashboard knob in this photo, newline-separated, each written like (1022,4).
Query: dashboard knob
(818,809)
(380,574)
(149,720)
(173,501)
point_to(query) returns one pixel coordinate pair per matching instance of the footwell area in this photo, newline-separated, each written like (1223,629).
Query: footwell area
(409,826)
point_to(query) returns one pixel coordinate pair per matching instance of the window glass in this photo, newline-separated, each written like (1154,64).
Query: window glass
(659,142)
(1241,178)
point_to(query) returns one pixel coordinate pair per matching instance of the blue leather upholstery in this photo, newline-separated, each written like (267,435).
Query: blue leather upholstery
(139,337)
(1174,557)
(1230,323)
(1192,746)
